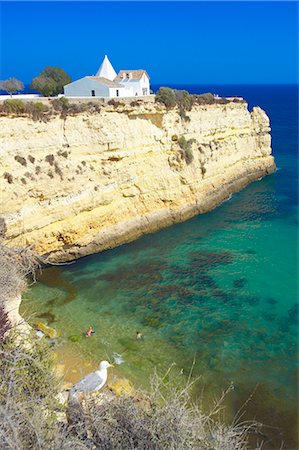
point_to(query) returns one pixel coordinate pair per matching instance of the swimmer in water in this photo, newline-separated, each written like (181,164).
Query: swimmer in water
(139,335)
(89,332)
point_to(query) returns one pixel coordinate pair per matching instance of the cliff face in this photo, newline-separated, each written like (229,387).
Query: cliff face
(90,182)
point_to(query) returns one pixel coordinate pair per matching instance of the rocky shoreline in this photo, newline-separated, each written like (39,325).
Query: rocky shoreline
(133,229)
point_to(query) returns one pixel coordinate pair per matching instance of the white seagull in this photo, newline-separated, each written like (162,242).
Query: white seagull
(92,382)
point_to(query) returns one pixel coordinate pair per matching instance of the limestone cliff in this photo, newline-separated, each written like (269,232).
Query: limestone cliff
(77,185)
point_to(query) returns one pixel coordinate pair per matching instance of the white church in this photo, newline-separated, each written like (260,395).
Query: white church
(106,83)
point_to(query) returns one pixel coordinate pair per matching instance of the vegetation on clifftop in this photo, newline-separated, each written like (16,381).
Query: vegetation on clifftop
(40,111)
(50,81)
(46,108)
(184,101)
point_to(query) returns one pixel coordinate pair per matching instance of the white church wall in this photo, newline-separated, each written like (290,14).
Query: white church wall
(138,87)
(85,87)
(144,84)
(118,92)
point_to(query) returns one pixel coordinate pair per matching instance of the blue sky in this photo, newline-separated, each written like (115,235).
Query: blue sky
(176,42)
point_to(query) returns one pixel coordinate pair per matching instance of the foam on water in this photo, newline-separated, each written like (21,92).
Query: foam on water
(118,359)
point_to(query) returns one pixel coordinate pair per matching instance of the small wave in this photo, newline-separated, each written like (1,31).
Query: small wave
(118,359)
(228,198)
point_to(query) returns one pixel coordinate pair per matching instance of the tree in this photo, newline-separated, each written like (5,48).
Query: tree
(166,96)
(50,81)
(11,85)
(184,100)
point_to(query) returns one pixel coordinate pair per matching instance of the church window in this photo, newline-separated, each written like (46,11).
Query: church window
(117,93)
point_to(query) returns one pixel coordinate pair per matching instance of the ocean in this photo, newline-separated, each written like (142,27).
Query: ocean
(218,292)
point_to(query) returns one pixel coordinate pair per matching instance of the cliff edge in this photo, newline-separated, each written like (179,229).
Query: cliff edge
(80,184)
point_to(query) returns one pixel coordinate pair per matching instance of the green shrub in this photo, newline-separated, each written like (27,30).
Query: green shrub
(186,149)
(205,99)
(77,108)
(136,103)
(13,106)
(36,110)
(66,108)
(183,115)
(222,101)
(189,156)
(184,143)
(60,104)
(166,96)
(115,103)
(184,100)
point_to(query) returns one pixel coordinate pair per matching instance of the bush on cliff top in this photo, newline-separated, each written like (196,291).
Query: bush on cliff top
(184,101)
(13,106)
(16,107)
(166,96)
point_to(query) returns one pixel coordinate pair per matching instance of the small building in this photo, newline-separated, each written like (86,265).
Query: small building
(106,83)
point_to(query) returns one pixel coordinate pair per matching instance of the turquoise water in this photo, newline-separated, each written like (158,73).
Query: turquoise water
(220,289)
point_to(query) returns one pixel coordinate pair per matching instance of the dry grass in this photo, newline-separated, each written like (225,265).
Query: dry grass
(15,265)
(165,418)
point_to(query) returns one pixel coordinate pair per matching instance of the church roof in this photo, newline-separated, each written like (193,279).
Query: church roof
(106,70)
(136,74)
(107,82)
